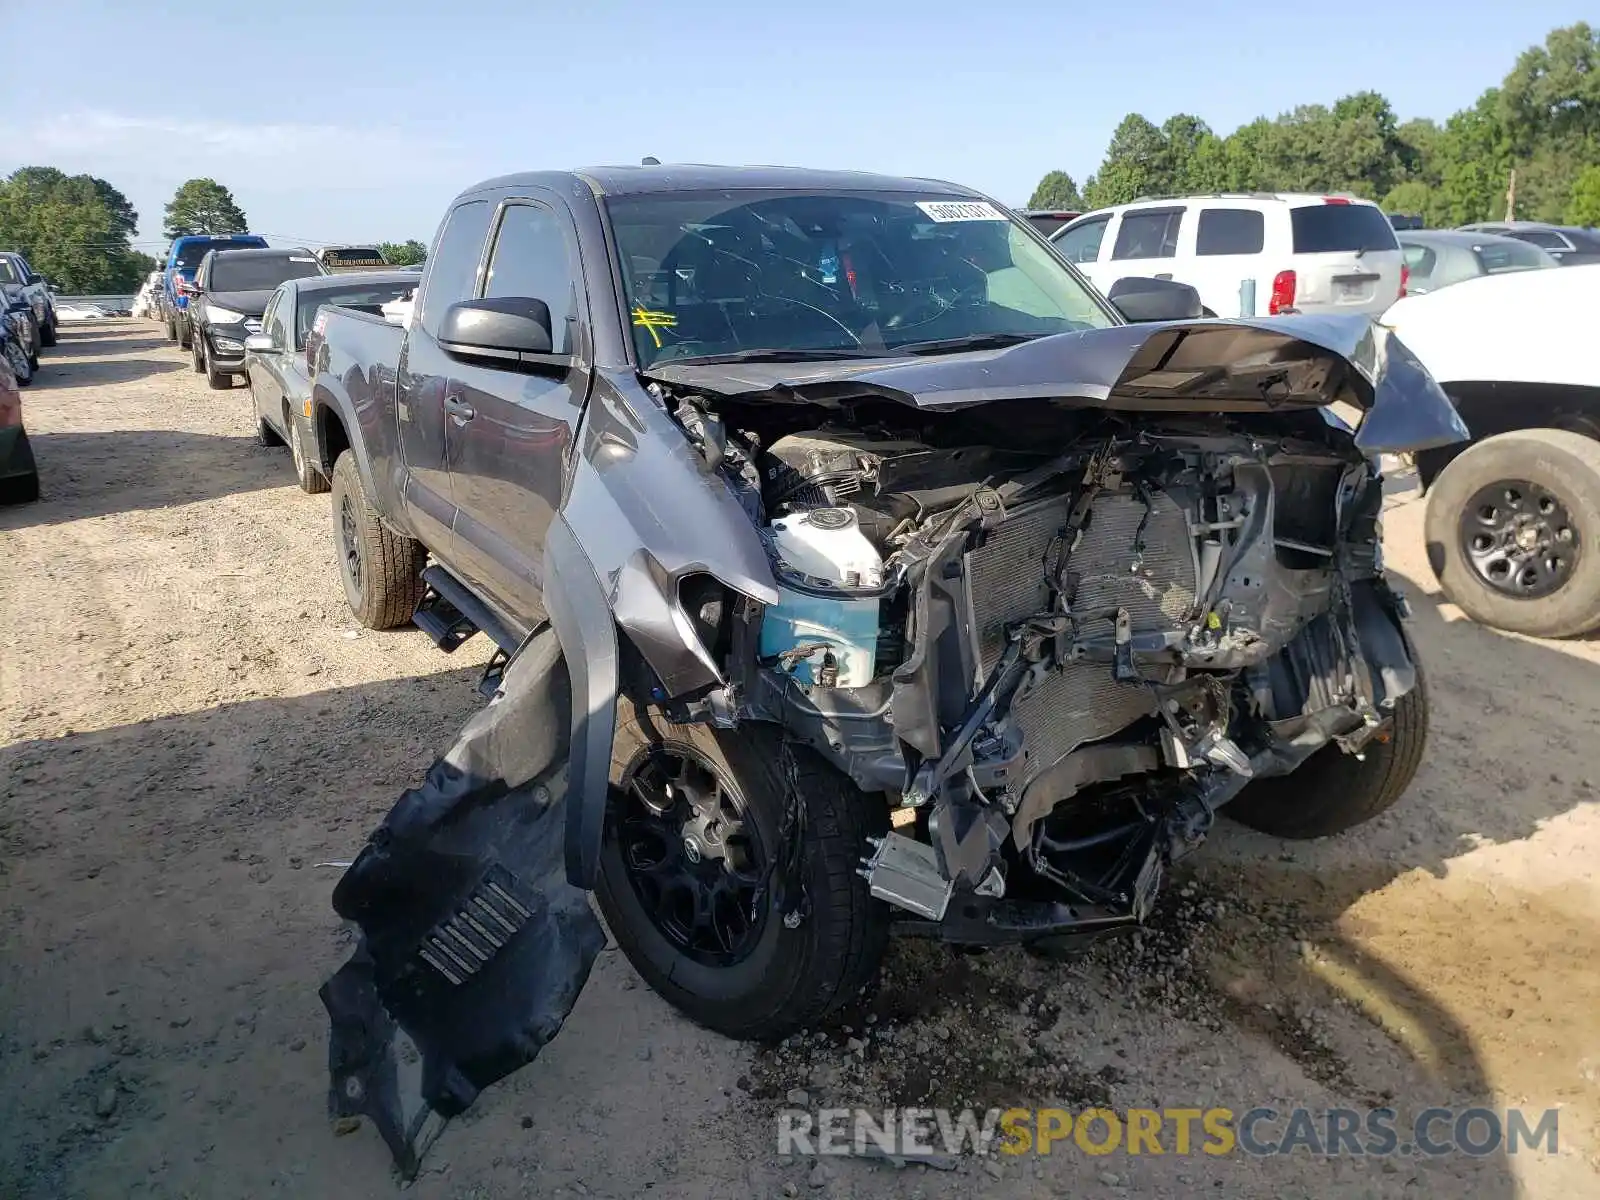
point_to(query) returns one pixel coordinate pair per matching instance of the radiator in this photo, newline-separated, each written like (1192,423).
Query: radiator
(1007,577)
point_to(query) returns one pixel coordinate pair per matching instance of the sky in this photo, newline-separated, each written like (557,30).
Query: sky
(355,120)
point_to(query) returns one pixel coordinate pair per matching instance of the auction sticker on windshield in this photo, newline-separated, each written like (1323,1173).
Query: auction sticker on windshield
(960,210)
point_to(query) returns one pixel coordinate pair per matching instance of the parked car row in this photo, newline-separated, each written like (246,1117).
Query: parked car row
(28,324)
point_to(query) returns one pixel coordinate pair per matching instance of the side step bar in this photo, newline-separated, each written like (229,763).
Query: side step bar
(450,614)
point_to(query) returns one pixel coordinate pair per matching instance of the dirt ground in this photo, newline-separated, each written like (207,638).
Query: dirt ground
(192,723)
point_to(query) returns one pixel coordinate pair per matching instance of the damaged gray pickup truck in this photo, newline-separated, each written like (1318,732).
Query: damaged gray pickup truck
(856,569)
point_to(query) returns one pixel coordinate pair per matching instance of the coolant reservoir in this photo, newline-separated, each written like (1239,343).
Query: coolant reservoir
(827,547)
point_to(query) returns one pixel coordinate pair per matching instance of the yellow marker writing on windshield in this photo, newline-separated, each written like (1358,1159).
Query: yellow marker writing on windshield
(653,323)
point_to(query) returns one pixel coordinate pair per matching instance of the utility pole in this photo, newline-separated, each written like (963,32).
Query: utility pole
(1511,197)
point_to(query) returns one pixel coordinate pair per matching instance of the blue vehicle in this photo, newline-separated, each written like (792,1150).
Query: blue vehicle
(183,260)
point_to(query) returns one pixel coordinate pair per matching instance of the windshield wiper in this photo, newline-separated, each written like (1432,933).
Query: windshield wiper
(974,341)
(772,355)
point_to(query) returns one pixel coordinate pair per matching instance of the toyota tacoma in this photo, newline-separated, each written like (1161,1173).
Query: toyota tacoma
(856,569)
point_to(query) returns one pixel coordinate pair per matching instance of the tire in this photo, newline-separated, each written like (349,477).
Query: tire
(21,489)
(790,978)
(21,365)
(196,362)
(220,381)
(1565,467)
(172,330)
(32,344)
(384,591)
(47,334)
(186,337)
(311,479)
(1334,791)
(266,435)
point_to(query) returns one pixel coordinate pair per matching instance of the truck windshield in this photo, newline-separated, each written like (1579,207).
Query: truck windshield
(739,272)
(259,272)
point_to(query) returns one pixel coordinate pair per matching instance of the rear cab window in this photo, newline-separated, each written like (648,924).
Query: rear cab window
(1340,228)
(1148,233)
(1230,231)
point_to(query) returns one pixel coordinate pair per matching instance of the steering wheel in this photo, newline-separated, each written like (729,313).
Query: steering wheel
(929,307)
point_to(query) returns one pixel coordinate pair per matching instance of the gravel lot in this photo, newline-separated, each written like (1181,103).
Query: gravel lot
(192,722)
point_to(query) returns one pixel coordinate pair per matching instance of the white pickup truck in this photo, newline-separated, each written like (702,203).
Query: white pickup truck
(1513,518)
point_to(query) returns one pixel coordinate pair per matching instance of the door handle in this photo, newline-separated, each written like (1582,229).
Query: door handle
(458,411)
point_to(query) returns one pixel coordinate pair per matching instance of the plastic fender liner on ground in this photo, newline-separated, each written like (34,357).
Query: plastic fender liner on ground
(474,946)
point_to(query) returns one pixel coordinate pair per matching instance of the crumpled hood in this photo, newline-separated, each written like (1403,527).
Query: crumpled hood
(1187,366)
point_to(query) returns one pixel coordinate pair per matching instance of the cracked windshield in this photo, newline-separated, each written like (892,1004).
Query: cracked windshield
(832,276)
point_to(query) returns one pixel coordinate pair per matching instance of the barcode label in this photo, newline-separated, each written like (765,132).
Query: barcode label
(960,210)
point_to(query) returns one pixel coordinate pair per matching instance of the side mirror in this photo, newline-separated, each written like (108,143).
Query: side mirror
(1139,299)
(260,343)
(514,330)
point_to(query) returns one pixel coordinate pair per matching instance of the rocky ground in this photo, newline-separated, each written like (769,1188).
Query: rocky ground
(190,723)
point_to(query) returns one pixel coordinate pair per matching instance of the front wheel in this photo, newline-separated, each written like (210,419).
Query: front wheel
(218,380)
(186,337)
(172,330)
(1333,791)
(47,332)
(696,826)
(382,571)
(1513,532)
(18,358)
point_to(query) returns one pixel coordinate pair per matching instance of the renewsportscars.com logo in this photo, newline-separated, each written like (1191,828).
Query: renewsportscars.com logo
(1262,1132)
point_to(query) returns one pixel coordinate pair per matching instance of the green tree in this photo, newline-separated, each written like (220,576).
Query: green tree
(203,206)
(1056,190)
(1136,164)
(73,228)
(407,253)
(1583,207)
(1412,196)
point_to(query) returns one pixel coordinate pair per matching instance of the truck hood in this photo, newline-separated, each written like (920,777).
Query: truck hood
(1306,361)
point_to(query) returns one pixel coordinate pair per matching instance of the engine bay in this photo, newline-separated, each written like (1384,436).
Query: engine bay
(1055,641)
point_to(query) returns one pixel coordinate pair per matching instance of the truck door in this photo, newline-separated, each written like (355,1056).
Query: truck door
(509,431)
(425,374)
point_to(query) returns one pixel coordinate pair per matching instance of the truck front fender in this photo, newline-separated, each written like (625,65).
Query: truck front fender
(581,618)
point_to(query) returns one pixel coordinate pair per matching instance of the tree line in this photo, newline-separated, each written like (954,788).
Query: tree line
(1529,148)
(78,230)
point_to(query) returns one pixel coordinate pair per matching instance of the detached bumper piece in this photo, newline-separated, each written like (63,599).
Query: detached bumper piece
(473,947)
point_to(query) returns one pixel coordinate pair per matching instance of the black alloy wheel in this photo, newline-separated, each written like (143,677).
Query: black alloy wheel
(695,863)
(350,541)
(1520,539)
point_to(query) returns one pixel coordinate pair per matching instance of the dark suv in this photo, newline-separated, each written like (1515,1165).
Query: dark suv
(230,293)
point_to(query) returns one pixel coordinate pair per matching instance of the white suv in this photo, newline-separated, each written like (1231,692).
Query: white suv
(1255,254)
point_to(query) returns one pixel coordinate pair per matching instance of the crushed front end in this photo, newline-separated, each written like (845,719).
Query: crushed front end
(1057,636)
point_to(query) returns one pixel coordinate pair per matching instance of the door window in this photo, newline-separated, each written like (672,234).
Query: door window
(531,259)
(1230,231)
(453,266)
(1148,233)
(274,323)
(1541,237)
(1081,243)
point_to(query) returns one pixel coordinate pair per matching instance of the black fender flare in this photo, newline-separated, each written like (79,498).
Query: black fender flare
(581,616)
(329,403)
